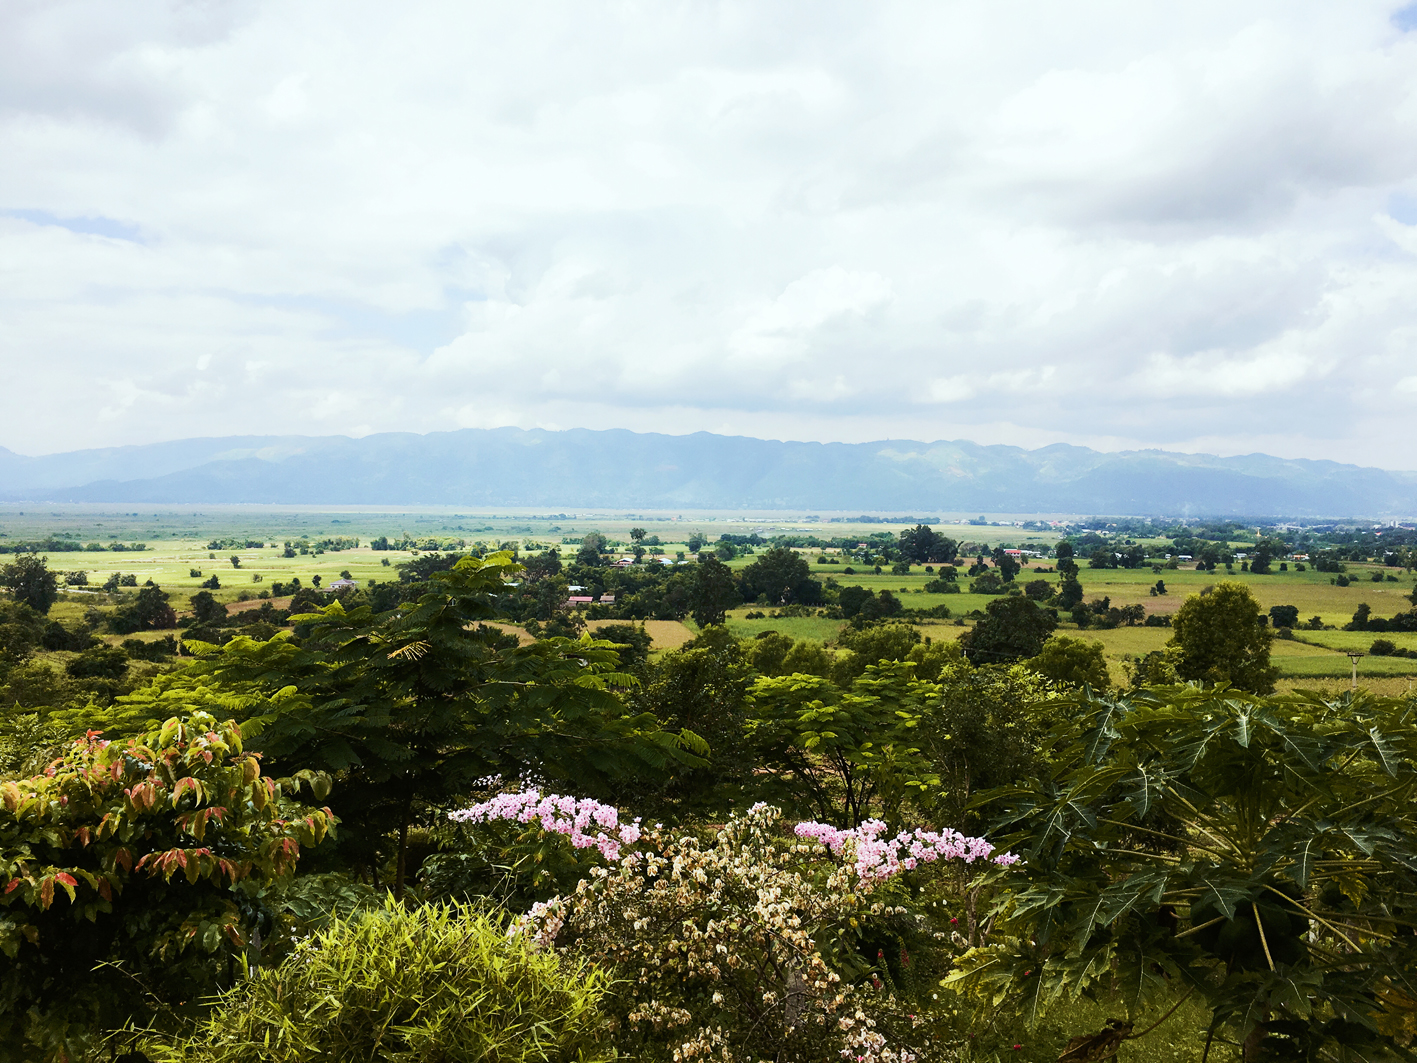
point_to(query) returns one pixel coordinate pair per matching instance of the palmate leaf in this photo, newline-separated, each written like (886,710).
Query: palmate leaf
(1223,896)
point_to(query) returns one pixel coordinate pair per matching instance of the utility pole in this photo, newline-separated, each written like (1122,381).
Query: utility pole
(1353,656)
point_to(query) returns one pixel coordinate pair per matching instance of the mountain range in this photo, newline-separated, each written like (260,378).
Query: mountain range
(616,469)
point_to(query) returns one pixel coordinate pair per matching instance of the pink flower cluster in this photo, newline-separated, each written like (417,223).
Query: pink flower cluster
(587,823)
(879,857)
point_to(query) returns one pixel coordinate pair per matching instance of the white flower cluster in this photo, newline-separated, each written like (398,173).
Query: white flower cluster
(717,946)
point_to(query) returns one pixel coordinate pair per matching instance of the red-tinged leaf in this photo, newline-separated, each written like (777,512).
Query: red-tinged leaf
(104,889)
(68,882)
(46,893)
(237,938)
(123,858)
(14,883)
(83,835)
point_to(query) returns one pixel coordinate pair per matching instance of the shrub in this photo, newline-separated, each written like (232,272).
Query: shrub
(744,949)
(122,868)
(438,984)
(1382,648)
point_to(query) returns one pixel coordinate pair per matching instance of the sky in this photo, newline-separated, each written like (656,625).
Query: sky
(1120,225)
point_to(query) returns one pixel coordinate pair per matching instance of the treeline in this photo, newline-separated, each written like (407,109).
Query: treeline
(59,545)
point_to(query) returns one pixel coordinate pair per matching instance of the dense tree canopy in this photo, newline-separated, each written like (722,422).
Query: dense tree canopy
(1218,638)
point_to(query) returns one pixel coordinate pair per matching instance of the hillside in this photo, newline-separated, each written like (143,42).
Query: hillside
(618,469)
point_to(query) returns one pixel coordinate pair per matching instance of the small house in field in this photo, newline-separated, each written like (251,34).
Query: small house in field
(607,599)
(624,562)
(580,601)
(341,584)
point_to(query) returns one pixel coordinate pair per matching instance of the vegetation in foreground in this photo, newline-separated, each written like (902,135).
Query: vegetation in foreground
(774,848)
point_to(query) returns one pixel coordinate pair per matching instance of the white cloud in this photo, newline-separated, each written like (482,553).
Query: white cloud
(1110,224)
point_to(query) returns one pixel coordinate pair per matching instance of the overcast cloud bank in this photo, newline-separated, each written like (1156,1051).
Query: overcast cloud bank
(1109,224)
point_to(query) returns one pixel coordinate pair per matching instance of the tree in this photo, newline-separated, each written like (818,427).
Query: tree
(1257,853)
(872,645)
(152,612)
(1217,638)
(1007,566)
(1039,590)
(1070,593)
(783,575)
(120,868)
(1074,662)
(637,534)
(206,610)
(235,561)
(852,755)
(1012,628)
(31,582)
(410,709)
(714,591)
(1284,615)
(923,545)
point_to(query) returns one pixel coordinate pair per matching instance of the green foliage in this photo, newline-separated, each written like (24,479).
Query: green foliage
(411,708)
(435,984)
(702,689)
(984,732)
(1260,853)
(125,870)
(1012,628)
(713,593)
(848,755)
(773,653)
(31,582)
(870,645)
(1217,638)
(1072,661)
(783,576)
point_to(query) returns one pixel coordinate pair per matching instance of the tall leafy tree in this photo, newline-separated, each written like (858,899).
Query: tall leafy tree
(31,582)
(1218,638)
(1012,628)
(783,575)
(714,591)
(411,708)
(847,755)
(922,544)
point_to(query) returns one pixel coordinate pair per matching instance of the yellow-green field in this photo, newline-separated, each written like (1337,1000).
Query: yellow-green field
(177,538)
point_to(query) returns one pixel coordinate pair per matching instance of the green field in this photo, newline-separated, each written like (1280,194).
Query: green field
(177,543)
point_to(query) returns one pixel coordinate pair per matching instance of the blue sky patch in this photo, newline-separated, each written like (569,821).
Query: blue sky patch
(110,227)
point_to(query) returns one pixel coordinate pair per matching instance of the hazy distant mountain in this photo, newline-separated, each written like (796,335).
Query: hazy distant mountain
(619,469)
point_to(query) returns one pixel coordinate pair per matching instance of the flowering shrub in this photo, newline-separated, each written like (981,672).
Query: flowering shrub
(875,857)
(740,950)
(559,815)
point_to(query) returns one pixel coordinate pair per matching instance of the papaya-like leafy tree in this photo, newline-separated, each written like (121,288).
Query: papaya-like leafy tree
(847,755)
(411,709)
(130,872)
(1259,852)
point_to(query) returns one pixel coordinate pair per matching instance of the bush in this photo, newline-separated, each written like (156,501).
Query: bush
(438,984)
(1382,648)
(134,864)
(742,949)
